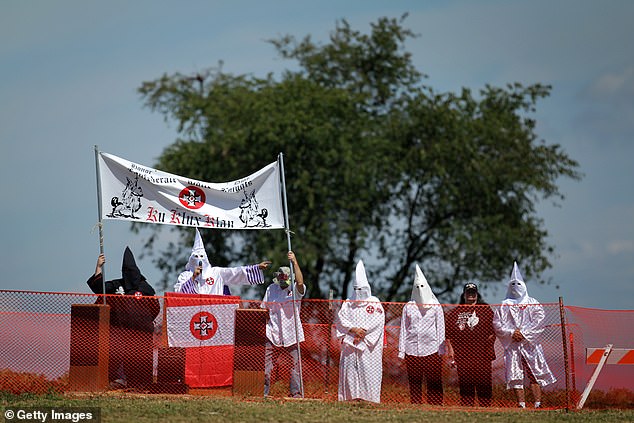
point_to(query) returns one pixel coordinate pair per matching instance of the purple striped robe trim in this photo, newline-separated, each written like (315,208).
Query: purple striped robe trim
(255,276)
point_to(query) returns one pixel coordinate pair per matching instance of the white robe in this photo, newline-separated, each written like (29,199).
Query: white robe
(280,327)
(213,279)
(526,316)
(361,365)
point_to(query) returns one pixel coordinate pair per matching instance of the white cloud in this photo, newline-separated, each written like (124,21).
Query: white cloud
(618,247)
(613,85)
(585,250)
(606,109)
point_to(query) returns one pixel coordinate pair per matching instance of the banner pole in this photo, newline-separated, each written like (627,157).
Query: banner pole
(100,224)
(562,317)
(288,239)
(331,318)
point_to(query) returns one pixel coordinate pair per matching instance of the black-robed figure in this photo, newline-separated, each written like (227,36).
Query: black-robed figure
(132,315)
(470,340)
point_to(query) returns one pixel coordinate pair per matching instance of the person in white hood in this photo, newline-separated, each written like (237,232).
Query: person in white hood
(421,341)
(360,324)
(518,324)
(200,277)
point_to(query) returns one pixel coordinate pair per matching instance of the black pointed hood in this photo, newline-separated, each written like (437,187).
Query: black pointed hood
(133,280)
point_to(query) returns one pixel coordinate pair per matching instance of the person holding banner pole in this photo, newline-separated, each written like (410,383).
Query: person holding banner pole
(132,315)
(282,335)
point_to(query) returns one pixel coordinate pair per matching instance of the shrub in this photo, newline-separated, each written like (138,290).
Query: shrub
(20,383)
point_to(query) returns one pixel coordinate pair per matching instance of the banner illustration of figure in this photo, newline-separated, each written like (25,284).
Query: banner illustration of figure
(250,213)
(130,201)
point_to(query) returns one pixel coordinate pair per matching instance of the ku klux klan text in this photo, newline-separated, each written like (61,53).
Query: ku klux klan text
(181,217)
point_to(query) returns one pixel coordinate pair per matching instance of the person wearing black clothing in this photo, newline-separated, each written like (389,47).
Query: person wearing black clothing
(132,315)
(470,339)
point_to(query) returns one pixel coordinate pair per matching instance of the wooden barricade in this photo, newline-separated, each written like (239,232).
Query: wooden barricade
(89,343)
(248,361)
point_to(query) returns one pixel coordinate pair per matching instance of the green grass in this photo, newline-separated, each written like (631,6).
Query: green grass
(137,408)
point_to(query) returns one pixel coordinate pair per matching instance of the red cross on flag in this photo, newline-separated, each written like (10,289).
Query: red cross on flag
(204,326)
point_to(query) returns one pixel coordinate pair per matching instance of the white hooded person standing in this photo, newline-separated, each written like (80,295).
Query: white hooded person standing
(518,323)
(200,277)
(420,342)
(360,324)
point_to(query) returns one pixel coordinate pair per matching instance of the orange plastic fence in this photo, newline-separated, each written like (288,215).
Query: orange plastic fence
(201,343)
(593,328)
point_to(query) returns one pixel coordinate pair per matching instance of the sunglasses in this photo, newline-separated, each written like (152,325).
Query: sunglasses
(281,276)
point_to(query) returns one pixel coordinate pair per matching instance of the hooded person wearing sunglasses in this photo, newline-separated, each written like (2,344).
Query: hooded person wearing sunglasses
(284,330)
(518,323)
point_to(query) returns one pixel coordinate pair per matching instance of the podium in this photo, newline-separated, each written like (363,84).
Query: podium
(89,343)
(171,371)
(248,359)
(170,376)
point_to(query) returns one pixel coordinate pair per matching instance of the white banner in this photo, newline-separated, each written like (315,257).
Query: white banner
(137,193)
(201,326)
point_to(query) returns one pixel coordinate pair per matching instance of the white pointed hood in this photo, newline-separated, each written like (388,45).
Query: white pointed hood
(516,291)
(421,291)
(198,255)
(361,286)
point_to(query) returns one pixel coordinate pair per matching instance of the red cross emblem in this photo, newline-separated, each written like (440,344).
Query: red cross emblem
(210,281)
(370,309)
(192,197)
(203,325)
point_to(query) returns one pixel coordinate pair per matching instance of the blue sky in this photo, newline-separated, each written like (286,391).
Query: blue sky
(69,71)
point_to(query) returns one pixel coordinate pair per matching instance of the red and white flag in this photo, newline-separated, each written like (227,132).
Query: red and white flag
(204,325)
